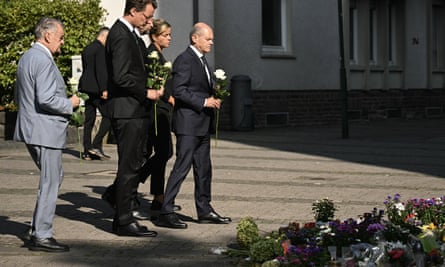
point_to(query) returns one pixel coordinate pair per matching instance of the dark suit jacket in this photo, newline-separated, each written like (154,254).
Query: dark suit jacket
(94,71)
(126,74)
(190,89)
(163,103)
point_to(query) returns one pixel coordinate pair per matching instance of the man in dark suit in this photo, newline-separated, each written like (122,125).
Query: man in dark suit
(94,83)
(129,108)
(192,124)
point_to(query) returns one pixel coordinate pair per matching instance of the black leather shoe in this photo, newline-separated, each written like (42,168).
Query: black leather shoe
(47,244)
(86,156)
(134,229)
(156,205)
(98,152)
(170,220)
(140,215)
(213,217)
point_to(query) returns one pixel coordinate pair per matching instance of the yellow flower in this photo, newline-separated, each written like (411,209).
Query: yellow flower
(427,227)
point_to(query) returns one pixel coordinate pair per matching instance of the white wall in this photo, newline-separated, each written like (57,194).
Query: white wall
(315,43)
(114,8)
(237,48)
(416,68)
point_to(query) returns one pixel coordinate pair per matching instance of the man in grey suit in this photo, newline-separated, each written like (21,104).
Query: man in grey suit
(42,121)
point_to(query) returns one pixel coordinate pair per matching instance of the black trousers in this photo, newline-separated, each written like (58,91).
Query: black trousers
(162,146)
(130,136)
(91,104)
(191,151)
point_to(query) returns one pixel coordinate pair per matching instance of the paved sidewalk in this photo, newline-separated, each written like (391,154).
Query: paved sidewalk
(272,175)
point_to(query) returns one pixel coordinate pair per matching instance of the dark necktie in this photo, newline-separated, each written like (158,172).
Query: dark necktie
(138,43)
(136,37)
(206,68)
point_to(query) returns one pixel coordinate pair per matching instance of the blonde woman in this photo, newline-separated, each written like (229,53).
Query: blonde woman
(160,148)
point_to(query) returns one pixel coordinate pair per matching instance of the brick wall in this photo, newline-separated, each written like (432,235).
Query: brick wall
(323,107)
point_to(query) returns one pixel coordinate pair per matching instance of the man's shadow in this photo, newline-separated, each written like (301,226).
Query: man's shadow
(144,205)
(73,152)
(86,209)
(96,211)
(20,230)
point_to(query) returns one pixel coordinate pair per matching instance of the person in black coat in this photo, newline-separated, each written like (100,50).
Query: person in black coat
(93,82)
(129,106)
(159,136)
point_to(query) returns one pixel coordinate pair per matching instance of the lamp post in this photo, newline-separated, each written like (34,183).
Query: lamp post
(343,80)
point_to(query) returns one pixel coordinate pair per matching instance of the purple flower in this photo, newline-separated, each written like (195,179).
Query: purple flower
(375,227)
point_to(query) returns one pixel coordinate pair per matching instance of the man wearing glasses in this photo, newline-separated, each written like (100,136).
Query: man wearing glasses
(129,108)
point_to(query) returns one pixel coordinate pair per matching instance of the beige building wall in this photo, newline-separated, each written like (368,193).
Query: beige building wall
(114,9)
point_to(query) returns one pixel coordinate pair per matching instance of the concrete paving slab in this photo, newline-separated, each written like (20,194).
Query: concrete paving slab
(273,175)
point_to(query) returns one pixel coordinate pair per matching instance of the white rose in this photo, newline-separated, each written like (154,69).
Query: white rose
(168,65)
(220,74)
(400,207)
(73,80)
(154,55)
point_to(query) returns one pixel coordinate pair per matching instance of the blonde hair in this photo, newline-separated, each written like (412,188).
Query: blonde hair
(159,26)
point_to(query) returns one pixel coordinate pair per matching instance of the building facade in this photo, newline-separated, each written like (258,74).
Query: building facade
(290,53)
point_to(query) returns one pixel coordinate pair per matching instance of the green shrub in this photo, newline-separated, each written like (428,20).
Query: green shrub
(247,232)
(265,249)
(82,19)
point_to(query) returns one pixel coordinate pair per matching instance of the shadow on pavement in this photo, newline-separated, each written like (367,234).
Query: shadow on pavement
(86,209)
(416,146)
(20,230)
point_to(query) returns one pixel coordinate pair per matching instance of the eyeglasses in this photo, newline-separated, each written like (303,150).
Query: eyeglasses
(147,17)
(165,35)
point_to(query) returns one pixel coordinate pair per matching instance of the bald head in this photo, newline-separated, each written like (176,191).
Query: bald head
(201,37)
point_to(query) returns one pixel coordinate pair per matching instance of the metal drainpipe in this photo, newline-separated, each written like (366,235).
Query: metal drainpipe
(195,11)
(343,81)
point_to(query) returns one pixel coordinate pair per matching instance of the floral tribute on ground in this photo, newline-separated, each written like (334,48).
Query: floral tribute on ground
(404,234)
(220,92)
(158,74)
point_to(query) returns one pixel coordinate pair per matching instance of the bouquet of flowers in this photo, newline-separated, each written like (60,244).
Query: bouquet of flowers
(324,210)
(303,255)
(158,74)
(220,92)
(398,254)
(77,118)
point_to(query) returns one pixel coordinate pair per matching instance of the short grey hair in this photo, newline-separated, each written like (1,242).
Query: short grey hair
(46,25)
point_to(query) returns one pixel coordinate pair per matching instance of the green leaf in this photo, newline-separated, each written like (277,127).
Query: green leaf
(82,20)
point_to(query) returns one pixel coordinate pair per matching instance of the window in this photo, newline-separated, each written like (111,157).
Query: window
(276,34)
(353,32)
(437,36)
(272,34)
(373,33)
(392,30)
(395,32)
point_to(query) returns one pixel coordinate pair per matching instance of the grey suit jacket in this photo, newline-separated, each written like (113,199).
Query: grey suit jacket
(43,107)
